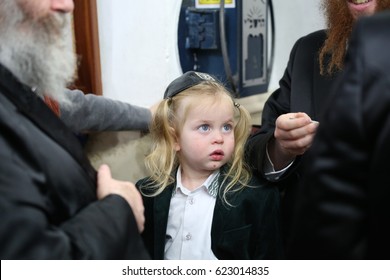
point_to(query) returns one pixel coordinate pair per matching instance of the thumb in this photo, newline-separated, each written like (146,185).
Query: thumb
(300,115)
(104,174)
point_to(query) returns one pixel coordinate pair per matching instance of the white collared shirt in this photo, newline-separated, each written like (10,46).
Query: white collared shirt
(188,235)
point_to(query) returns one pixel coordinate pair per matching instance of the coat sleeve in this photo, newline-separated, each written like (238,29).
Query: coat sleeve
(29,229)
(89,112)
(277,104)
(106,229)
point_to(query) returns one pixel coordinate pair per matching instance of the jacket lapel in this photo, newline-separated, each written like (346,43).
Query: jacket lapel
(161,210)
(220,215)
(323,85)
(29,104)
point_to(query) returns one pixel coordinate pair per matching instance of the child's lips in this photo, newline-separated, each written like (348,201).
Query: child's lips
(217,155)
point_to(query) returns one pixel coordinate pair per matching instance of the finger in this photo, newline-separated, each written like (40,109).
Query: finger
(298,115)
(291,121)
(299,118)
(104,174)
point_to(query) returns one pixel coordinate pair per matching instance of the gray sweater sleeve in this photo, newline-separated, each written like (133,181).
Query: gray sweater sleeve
(89,112)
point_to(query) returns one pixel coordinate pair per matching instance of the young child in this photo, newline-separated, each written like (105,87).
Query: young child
(201,201)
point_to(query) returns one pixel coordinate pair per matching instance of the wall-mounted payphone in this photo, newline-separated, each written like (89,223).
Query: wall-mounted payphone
(227,39)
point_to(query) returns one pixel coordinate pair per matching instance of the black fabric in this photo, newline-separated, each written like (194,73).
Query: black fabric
(48,203)
(342,207)
(29,104)
(248,230)
(302,89)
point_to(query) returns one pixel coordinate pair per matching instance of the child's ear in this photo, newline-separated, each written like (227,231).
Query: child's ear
(176,144)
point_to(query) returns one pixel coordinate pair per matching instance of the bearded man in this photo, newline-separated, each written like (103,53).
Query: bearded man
(291,114)
(343,211)
(53,204)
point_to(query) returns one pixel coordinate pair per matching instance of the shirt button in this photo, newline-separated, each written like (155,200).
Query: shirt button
(191,201)
(188,236)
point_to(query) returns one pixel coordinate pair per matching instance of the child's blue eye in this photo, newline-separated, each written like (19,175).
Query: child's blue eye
(204,127)
(227,127)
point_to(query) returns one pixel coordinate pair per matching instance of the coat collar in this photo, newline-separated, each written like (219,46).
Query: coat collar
(30,105)
(211,184)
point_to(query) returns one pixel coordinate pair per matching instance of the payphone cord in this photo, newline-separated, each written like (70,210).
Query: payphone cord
(225,55)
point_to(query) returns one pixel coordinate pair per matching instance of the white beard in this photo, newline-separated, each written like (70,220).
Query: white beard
(37,51)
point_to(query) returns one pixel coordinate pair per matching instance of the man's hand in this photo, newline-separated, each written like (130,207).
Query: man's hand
(107,185)
(294,134)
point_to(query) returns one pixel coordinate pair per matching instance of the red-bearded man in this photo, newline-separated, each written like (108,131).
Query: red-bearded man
(291,114)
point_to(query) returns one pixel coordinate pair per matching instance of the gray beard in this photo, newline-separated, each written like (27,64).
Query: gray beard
(39,53)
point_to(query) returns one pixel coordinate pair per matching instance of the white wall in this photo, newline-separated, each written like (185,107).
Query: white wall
(138,40)
(293,19)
